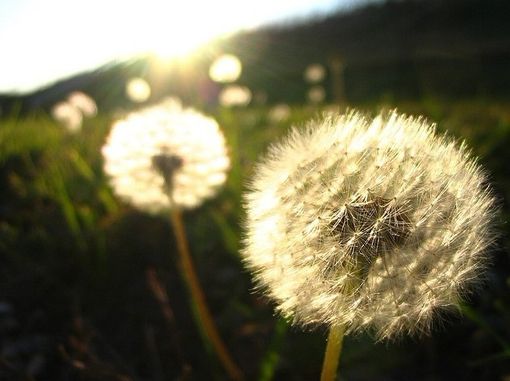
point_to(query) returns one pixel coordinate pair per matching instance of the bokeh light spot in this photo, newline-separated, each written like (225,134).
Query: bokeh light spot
(225,69)
(84,103)
(68,115)
(138,90)
(314,73)
(235,95)
(316,94)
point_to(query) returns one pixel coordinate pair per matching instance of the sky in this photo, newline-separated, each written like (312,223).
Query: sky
(42,41)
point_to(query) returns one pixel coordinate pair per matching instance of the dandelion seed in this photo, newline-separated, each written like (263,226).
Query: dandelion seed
(164,150)
(375,224)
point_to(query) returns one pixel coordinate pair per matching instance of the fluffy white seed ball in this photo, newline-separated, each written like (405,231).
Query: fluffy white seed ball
(165,156)
(373,224)
(69,115)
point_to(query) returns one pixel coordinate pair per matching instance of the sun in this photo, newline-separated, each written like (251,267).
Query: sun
(98,32)
(177,28)
(177,39)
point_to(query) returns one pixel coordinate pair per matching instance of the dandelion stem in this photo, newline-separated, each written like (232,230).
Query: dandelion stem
(203,315)
(333,351)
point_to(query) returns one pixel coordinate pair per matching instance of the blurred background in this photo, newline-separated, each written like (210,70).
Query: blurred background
(89,287)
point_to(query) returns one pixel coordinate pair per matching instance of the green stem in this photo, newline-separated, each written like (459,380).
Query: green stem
(203,315)
(333,351)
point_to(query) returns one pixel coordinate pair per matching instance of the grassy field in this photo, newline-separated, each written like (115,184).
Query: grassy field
(77,284)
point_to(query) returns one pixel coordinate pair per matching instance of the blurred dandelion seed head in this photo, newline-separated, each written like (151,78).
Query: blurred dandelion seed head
(172,102)
(138,90)
(225,69)
(279,113)
(316,94)
(234,95)
(314,73)
(68,115)
(260,97)
(70,112)
(84,103)
(374,224)
(165,156)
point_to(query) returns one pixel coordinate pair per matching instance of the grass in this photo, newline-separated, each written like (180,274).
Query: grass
(74,299)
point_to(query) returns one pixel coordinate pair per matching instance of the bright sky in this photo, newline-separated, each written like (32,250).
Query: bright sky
(44,40)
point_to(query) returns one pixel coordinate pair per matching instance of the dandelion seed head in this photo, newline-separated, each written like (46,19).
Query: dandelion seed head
(314,73)
(84,103)
(225,69)
(235,95)
(316,94)
(279,113)
(165,150)
(138,90)
(69,115)
(373,224)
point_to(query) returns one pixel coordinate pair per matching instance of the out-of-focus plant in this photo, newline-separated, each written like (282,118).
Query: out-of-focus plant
(167,159)
(234,95)
(138,90)
(225,69)
(314,73)
(71,111)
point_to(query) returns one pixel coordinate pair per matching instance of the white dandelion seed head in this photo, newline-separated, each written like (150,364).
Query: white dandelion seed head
(225,69)
(235,95)
(373,224)
(316,94)
(84,103)
(68,115)
(314,73)
(138,90)
(172,102)
(279,113)
(165,156)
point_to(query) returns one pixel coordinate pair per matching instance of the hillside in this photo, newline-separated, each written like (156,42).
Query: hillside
(391,50)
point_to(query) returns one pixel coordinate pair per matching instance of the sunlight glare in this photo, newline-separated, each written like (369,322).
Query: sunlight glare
(64,38)
(176,29)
